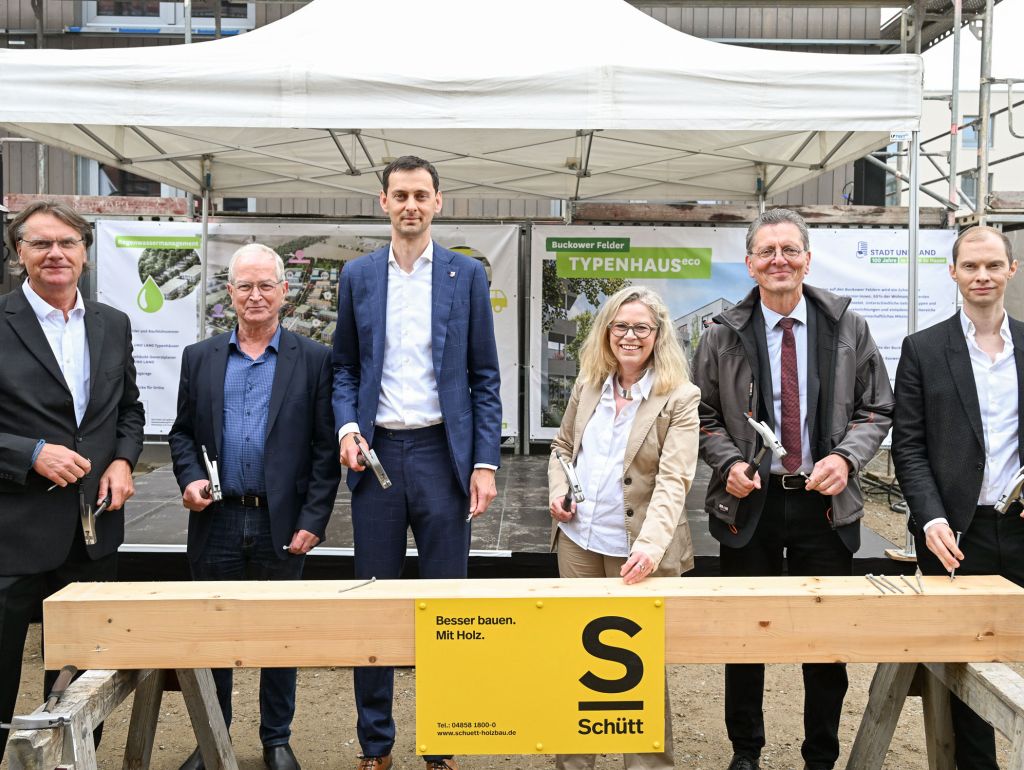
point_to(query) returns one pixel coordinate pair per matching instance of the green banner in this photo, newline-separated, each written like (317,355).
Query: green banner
(157,242)
(640,262)
(903,260)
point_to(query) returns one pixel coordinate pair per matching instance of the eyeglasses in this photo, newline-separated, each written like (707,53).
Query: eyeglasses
(44,246)
(789,252)
(263,287)
(640,331)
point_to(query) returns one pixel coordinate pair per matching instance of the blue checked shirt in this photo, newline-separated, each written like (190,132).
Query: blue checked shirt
(247,386)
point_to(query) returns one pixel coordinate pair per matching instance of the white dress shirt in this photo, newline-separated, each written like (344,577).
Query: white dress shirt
(68,343)
(996,383)
(408,386)
(773,333)
(599,523)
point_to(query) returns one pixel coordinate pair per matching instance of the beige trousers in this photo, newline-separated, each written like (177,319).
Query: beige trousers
(576,562)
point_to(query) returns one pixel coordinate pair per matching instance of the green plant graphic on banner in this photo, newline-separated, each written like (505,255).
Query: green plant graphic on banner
(150,298)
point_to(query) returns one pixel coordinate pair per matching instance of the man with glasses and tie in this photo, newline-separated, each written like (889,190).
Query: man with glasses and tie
(71,428)
(797,358)
(257,400)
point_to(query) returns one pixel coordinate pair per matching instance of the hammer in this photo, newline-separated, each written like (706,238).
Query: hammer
(769,442)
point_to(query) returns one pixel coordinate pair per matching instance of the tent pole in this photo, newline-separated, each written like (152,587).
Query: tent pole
(762,172)
(985,113)
(188,22)
(204,255)
(914,226)
(954,118)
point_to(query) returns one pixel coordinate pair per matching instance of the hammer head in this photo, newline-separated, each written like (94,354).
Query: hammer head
(768,436)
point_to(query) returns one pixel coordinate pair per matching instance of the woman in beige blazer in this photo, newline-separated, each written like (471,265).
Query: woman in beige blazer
(631,429)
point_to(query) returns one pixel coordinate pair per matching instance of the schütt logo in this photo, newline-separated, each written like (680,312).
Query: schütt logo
(862,249)
(631,678)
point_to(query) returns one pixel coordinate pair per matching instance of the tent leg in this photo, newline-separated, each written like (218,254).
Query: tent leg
(203,254)
(913,229)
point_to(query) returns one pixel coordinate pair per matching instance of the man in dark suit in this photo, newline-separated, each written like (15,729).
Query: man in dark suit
(958,439)
(416,377)
(797,358)
(259,400)
(70,418)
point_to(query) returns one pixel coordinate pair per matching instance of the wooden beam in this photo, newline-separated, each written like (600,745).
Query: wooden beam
(938,721)
(1006,201)
(886,696)
(995,692)
(138,749)
(109,205)
(743,214)
(200,694)
(707,620)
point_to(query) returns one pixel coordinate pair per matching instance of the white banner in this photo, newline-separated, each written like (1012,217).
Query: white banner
(150,270)
(699,272)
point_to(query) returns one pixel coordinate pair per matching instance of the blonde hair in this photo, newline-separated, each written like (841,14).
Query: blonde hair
(597,360)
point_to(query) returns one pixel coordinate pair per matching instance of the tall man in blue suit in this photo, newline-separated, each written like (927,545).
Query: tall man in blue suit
(259,399)
(416,377)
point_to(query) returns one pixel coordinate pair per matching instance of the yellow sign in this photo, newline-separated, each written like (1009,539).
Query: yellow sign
(550,676)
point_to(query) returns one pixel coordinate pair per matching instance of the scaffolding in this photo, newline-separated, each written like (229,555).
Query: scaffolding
(920,26)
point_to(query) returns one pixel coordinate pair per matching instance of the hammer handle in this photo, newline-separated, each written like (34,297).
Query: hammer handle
(751,470)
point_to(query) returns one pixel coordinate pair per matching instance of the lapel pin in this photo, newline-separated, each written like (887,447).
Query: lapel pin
(451,274)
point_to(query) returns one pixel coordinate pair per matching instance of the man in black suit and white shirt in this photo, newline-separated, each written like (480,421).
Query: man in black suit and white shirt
(70,418)
(957,440)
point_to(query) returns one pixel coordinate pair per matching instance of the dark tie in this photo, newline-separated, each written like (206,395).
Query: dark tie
(790,398)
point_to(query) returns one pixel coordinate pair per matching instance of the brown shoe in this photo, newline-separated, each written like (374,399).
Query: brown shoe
(374,763)
(442,764)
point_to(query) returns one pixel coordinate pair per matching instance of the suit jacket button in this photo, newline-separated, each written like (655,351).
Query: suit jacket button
(979,467)
(627,480)
(629,511)
(79,438)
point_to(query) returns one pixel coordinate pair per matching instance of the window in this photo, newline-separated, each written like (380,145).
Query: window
(115,181)
(969,136)
(969,184)
(167,17)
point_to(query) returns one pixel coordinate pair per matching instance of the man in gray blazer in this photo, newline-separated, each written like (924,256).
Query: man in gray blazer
(798,358)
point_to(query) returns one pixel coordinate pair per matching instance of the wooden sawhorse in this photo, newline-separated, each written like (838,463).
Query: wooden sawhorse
(93,696)
(994,691)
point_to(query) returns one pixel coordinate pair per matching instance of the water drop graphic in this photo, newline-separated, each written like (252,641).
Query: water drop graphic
(150,298)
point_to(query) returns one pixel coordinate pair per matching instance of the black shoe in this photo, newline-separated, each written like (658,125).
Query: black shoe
(194,761)
(741,762)
(280,757)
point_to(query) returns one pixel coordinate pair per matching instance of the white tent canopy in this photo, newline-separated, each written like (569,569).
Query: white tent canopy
(584,99)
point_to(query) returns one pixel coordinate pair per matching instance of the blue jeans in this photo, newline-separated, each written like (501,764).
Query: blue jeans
(239,547)
(426,496)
